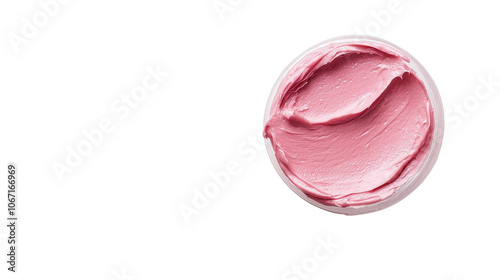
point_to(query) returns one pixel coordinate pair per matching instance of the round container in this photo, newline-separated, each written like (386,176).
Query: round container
(412,183)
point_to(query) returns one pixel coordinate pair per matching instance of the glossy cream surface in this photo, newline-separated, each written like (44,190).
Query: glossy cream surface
(350,123)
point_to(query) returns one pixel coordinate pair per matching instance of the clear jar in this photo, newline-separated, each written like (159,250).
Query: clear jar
(418,177)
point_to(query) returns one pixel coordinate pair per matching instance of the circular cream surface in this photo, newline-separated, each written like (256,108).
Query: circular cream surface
(350,123)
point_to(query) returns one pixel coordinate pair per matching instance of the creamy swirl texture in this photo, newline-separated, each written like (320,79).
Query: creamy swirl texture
(350,123)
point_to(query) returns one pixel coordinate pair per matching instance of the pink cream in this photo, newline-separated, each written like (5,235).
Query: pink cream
(350,123)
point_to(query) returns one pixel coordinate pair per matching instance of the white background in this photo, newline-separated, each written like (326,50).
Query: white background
(117,214)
